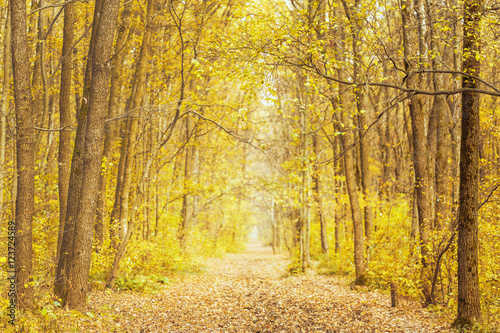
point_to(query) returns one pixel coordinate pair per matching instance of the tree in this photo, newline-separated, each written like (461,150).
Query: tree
(64,158)
(316,178)
(128,148)
(25,146)
(78,265)
(413,51)
(355,18)
(469,297)
(347,140)
(61,283)
(111,127)
(4,105)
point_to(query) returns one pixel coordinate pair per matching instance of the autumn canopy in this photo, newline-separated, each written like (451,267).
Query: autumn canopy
(360,138)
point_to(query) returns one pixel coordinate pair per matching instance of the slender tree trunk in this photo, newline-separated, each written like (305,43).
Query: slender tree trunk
(304,225)
(79,268)
(186,211)
(469,297)
(36,80)
(355,18)
(317,197)
(157,204)
(438,131)
(148,187)
(5,106)
(111,128)
(25,154)
(442,173)
(47,83)
(412,46)
(131,133)
(347,140)
(307,234)
(137,100)
(114,223)
(65,119)
(152,9)
(48,160)
(61,283)
(337,193)
(139,194)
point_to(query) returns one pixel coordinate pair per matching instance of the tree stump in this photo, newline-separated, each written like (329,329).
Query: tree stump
(394,295)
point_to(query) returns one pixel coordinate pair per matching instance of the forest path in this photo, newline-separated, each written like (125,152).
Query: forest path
(247,292)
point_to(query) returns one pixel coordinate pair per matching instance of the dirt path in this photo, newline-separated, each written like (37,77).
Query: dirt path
(248,293)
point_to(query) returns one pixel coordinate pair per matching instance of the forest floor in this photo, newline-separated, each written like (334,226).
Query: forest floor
(249,292)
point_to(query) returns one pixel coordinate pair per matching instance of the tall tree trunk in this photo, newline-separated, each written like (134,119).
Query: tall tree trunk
(442,173)
(25,159)
(469,297)
(317,197)
(386,144)
(304,225)
(79,268)
(5,105)
(438,131)
(65,119)
(140,84)
(355,18)
(114,221)
(140,192)
(347,140)
(36,80)
(129,151)
(74,262)
(61,284)
(187,207)
(337,193)
(147,222)
(137,100)
(48,162)
(456,110)
(413,50)
(111,128)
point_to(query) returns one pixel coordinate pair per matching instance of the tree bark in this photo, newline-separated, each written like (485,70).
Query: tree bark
(347,140)
(92,155)
(65,119)
(5,105)
(438,131)
(356,26)
(36,80)
(114,222)
(61,283)
(317,197)
(111,128)
(77,264)
(186,211)
(25,159)
(469,297)
(124,192)
(337,193)
(137,100)
(412,52)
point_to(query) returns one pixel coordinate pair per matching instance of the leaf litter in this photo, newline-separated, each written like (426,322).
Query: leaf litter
(249,292)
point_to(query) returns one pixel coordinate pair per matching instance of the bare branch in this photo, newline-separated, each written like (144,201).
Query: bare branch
(66,128)
(489,196)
